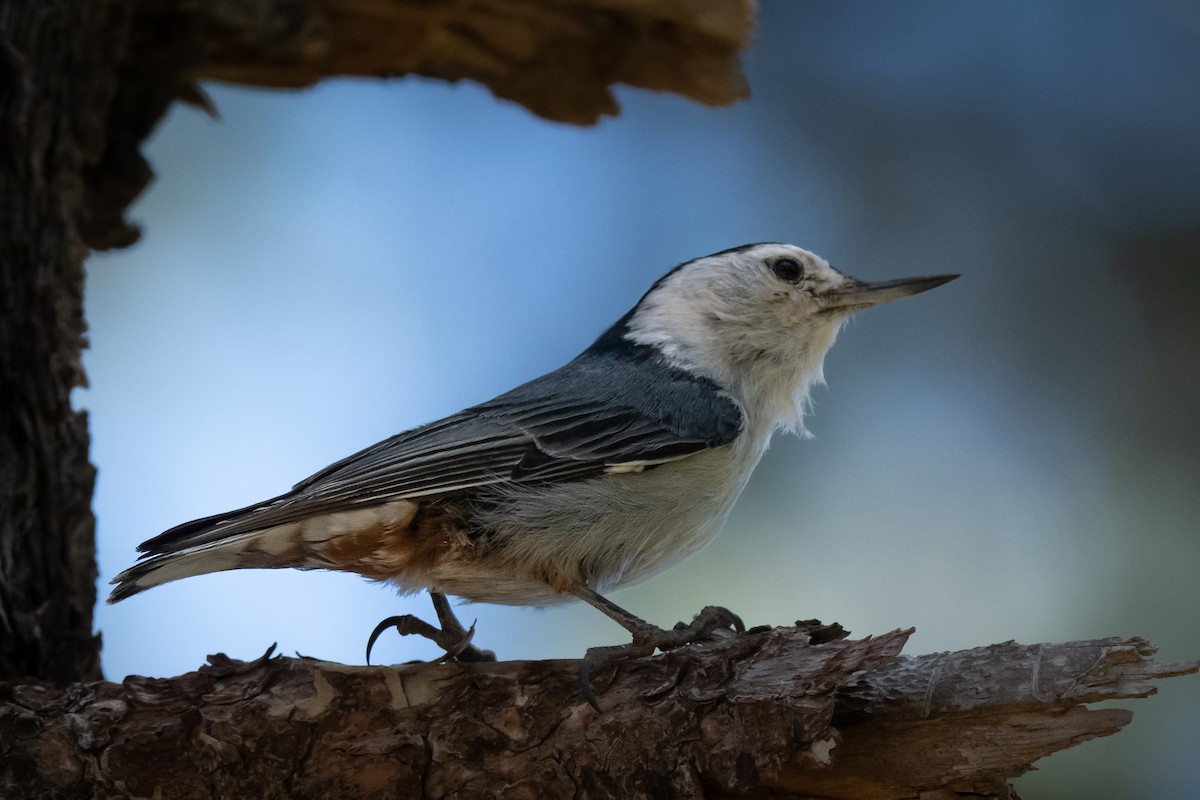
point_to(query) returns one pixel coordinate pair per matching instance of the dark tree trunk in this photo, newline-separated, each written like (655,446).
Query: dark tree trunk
(56,82)
(82,82)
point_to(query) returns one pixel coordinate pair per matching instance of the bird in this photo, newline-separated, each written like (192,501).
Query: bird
(592,477)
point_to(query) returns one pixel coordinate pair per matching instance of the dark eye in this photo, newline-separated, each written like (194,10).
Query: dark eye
(787,269)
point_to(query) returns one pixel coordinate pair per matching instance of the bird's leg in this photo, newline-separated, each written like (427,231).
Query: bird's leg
(708,620)
(464,650)
(646,637)
(451,637)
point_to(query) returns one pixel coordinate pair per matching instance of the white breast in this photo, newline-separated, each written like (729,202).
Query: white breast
(605,532)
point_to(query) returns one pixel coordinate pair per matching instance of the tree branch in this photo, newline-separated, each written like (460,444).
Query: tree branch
(783,712)
(558,58)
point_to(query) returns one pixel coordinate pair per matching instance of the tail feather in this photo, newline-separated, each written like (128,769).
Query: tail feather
(240,540)
(218,526)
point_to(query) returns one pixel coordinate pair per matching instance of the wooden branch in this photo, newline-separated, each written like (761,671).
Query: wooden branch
(968,721)
(558,58)
(783,712)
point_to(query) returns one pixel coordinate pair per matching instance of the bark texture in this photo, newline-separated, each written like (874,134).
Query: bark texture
(82,82)
(789,712)
(54,89)
(558,58)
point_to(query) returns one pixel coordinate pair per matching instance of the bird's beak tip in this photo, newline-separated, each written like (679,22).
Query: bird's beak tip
(858,295)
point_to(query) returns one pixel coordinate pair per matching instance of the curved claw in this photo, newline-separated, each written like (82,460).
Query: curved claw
(456,643)
(585,684)
(712,617)
(404,624)
(375,634)
(464,642)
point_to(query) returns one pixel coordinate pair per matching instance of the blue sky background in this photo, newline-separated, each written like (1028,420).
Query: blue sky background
(1013,456)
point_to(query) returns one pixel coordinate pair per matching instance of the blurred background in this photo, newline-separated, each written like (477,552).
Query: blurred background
(1013,456)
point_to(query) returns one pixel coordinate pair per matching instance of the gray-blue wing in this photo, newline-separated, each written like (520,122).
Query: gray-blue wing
(592,416)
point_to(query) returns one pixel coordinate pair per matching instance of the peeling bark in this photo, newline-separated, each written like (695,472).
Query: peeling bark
(773,713)
(558,58)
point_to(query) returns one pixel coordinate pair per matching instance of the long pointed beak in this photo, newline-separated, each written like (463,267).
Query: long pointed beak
(855,295)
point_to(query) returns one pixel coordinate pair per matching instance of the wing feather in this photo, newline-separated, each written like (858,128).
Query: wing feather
(592,416)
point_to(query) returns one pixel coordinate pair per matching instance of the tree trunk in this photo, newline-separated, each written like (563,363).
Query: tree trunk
(57,84)
(789,712)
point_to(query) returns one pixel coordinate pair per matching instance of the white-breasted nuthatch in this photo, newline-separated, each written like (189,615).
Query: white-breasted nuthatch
(594,476)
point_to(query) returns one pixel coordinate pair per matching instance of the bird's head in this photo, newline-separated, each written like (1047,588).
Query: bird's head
(758,320)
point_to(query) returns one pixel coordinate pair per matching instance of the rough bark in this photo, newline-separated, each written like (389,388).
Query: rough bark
(789,712)
(54,87)
(558,58)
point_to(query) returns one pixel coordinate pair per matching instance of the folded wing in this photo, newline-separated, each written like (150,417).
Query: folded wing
(592,416)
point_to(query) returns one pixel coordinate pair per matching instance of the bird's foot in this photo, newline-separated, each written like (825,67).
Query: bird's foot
(457,644)
(711,623)
(451,637)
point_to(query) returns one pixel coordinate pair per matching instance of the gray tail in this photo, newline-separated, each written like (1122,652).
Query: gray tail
(284,532)
(210,544)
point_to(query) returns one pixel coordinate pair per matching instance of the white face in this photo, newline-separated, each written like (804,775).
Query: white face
(751,319)
(783,277)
